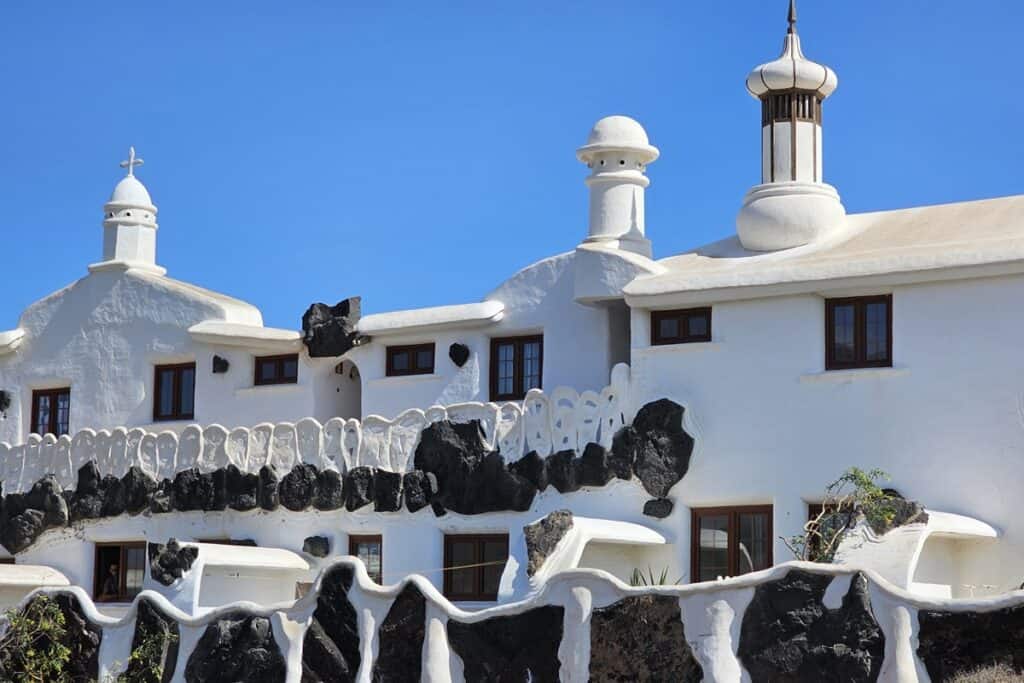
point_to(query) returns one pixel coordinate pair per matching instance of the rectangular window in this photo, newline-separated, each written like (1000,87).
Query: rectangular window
(51,411)
(369,549)
(118,571)
(473,565)
(277,369)
(417,359)
(730,541)
(680,327)
(517,365)
(174,392)
(858,332)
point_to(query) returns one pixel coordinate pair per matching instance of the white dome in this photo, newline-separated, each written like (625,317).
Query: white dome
(792,71)
(129,191)
(617,133)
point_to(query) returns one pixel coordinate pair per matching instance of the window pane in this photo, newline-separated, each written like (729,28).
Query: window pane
(42,425)
(495,555)
(291,369)
(165,401)
(63,412)
(843,325)
(698,325)
(425,359)
(135,565)
(531,366)
(268,370)
(370,553)
(668,328)
(714,547)
(877,333)
(108,566)
(400,361)
(506,369)
(753,539)
(188,390)
(462,581)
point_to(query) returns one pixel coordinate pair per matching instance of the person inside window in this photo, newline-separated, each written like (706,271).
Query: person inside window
(111,584)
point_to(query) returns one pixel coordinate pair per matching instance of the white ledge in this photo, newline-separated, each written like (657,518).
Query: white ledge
(688,347)
(249,336)
(855,375)
(398,379)
(264,389)
(11,340)
(438,317)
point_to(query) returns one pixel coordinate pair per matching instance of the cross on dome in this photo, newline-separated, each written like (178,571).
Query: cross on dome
(132,161)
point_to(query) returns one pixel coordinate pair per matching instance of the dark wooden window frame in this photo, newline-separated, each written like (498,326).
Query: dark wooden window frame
(355,539)
(176,413)
(278,362)
(478,594)
(53,394)
(413,351)
(518,391)
(733,551)
(860,332)
(683,316)
(122,568)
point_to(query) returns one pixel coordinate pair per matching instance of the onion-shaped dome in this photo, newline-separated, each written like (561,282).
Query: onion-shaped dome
(792,70)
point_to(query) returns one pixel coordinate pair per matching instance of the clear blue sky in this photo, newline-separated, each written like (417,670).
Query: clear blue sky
(418,153)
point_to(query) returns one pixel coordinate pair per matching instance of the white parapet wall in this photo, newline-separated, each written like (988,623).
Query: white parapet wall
(545,422)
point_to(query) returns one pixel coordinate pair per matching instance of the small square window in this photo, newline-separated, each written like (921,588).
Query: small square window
(369,549)
(277,369)
(858,332)
(473,565)
(517,365)
(684,326)
(174,391)
(416,359)
(730,541)
(51,411)
(119,570)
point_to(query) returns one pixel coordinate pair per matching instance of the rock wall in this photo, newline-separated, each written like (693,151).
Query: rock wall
(794,622)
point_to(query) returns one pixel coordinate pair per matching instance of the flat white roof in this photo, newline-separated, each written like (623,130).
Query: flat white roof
(613,531)
(218,555)
(418,319)
(952,525)
(31,575)
(234,334)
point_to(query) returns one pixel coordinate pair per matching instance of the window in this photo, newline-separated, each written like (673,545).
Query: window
(802,106)
(174,390)
(277,369)
(680,327)
(51,409)
(730,541)
(119,570)
(517,365)
(410,360)
(473,565)
(858,332)
(369,549)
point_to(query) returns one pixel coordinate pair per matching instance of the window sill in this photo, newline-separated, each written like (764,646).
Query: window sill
(264,389)
(397,379)
(855,375)
(688,347)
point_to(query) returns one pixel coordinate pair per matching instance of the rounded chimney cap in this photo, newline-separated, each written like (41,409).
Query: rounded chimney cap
(617,134)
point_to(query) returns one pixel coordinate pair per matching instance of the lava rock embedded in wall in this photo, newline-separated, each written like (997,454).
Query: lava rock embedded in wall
(242,489)
(656,445)
(329,491)
(358,488)
(138,488)
(400,655)
(26,516)
(156,639)
(193,490)
(330,649)
(789,635)
(237,647)
(82,638)
(564,471)
(267,493)
(168,563)
(520,647)
(418,488)
(659,508)
(951,643)
(595,468)
(220,365)
(298,488)
(330,331)
(533,468)
(459,353)
(317,546)
(542,537)
(641,639)
(387,491)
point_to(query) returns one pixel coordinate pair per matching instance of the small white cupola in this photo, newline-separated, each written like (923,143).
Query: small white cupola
(129,225)
(617,152)
(792,206)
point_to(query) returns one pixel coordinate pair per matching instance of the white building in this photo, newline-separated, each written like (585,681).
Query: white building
(808,342)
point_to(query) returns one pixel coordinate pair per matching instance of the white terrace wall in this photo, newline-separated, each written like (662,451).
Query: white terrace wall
(543,422)
(712,614)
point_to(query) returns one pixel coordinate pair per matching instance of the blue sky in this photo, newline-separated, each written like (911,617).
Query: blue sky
(419,153)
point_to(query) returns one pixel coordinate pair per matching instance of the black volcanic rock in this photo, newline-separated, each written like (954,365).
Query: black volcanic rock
(387,491)
(358,489)
(656,445)
(641,639)
(22,530)
(401,638)
(47,496)
(330,491)
(564,471)
(330,331)
(138,488)
(242,489)
(237,647)
(317,546)
(330,649)
(542,537)
(521,647)
(192,490)
(114,496)
(532,468)
(168,563)
(267,492)
(156,640)
(788,635)
(298,488)
(595,469)
(162,499)
(951,643)
(418,489)
(659,508)
(459,353)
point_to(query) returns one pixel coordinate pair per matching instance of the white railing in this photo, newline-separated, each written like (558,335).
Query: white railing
(544,422)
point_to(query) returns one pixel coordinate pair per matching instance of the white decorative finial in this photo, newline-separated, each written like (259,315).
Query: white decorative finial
(132,161)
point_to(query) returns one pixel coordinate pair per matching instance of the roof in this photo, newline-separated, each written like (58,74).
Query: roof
(218,555)
(462,315)
(949,241)
(31,575)
(248,336)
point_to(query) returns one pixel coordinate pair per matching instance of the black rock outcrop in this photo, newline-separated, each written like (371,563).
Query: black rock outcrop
(87,499)
(114,498)
(156,640)
(542,536)
(25,517)
(330,493)
(267,492)
(317,546)
(952,643)
(418,489)
(387,491)
(330,649)
(656,445)
(242,489)
(81,637)
(564,471)
(192,490)
(138,489)
(641,639)
(459,353)
(788,635)
(595,468)
(533,468)
(298,488)
(330,331)
(521,647)
(168,563)
(237,647)
(358,488)
(400,655)
(659,508)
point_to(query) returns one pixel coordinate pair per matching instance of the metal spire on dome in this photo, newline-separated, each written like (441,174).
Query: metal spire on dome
(132,161)
(792,16)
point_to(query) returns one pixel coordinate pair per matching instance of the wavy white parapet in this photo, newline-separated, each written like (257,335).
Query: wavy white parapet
(544,422)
